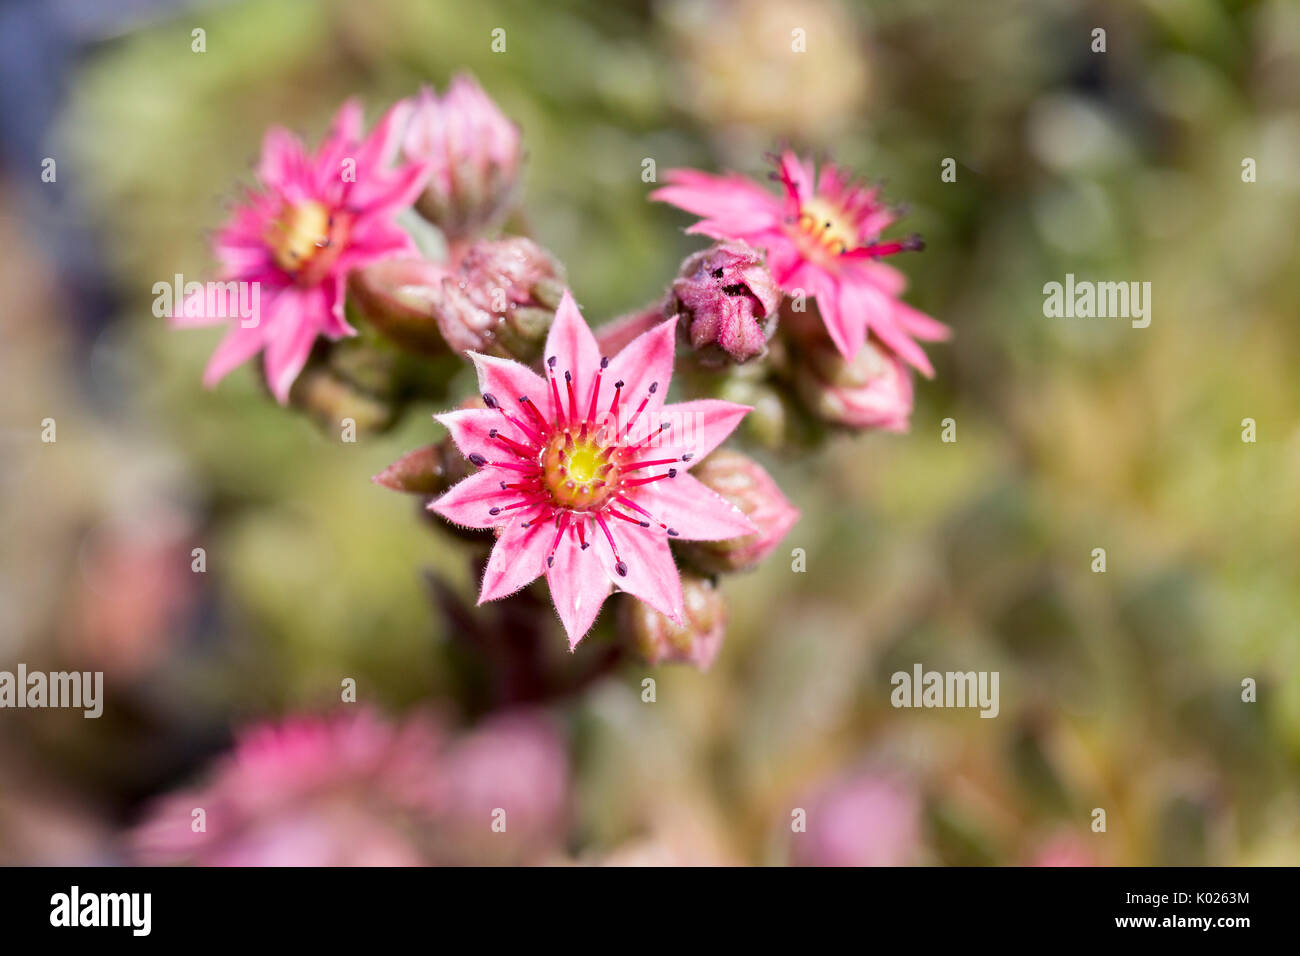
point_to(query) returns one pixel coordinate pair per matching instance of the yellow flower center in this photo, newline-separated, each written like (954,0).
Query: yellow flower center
(822,227)
(306,240)
(579,471)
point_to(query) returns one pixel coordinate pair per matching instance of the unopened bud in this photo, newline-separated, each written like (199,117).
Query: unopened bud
(726,303)
(871,390)
(502,299)
(743,482)
(396,296)
(696,641)
(475,153)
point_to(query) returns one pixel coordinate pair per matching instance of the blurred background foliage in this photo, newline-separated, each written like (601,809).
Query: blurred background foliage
(1119,690)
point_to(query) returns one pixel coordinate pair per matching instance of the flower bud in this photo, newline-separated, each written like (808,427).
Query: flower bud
(430,470)
(726,303)
(331,399)
(476,157)
(696,641)
(744,483)
(396,296)
(502,300)
(873,390)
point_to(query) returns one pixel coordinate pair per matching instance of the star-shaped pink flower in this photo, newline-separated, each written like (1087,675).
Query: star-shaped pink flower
(823,240)
(585,472)
(313,219)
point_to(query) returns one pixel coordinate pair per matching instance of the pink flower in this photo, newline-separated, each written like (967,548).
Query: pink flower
(871,390)
(585,473)
(474,152)
(353,789)
(313,219)
(862,819)
(344,790)
(514,767)
(822,240)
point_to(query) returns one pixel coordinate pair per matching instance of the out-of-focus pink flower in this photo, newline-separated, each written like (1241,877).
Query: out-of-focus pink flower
(1063,849)
(503,793)
(696,640)
(745,484)
(822,240)
(475,154)
(871,390)
(350,789)
(354,789)
(863,819)
(128,606)
(584,473)
(727,302)
(312,220)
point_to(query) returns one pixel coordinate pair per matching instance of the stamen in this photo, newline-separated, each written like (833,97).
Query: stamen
(538,417)
(619,566)
(648,438)
(561,523)
(629,503)
(629,518)
(523,451)
(595,390)
(634,482)
(555,392)
(633,466)
(573,401)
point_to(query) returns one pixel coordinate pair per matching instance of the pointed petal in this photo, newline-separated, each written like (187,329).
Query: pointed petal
(294,326)
(470,428)
(572,345)
(645,363)
(283,164)
(693,510)
(705,194)
(378,150)
(698,427)
(469,501)
(845,323)
(651,574)
(518,557)
(878,312)
(578,586)
(919,324)
(508,381)
(236,348)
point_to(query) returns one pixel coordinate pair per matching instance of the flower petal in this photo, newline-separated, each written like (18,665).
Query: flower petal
(919,324)
(693,510)
(698,427)
(578,585)
(239,345)
(470,428)
(645,367)
(651,574)
(468,502)
(878,311)
(574,349)
(292,330)
(284,166)
(846,323)
(508,381)
(518,557)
